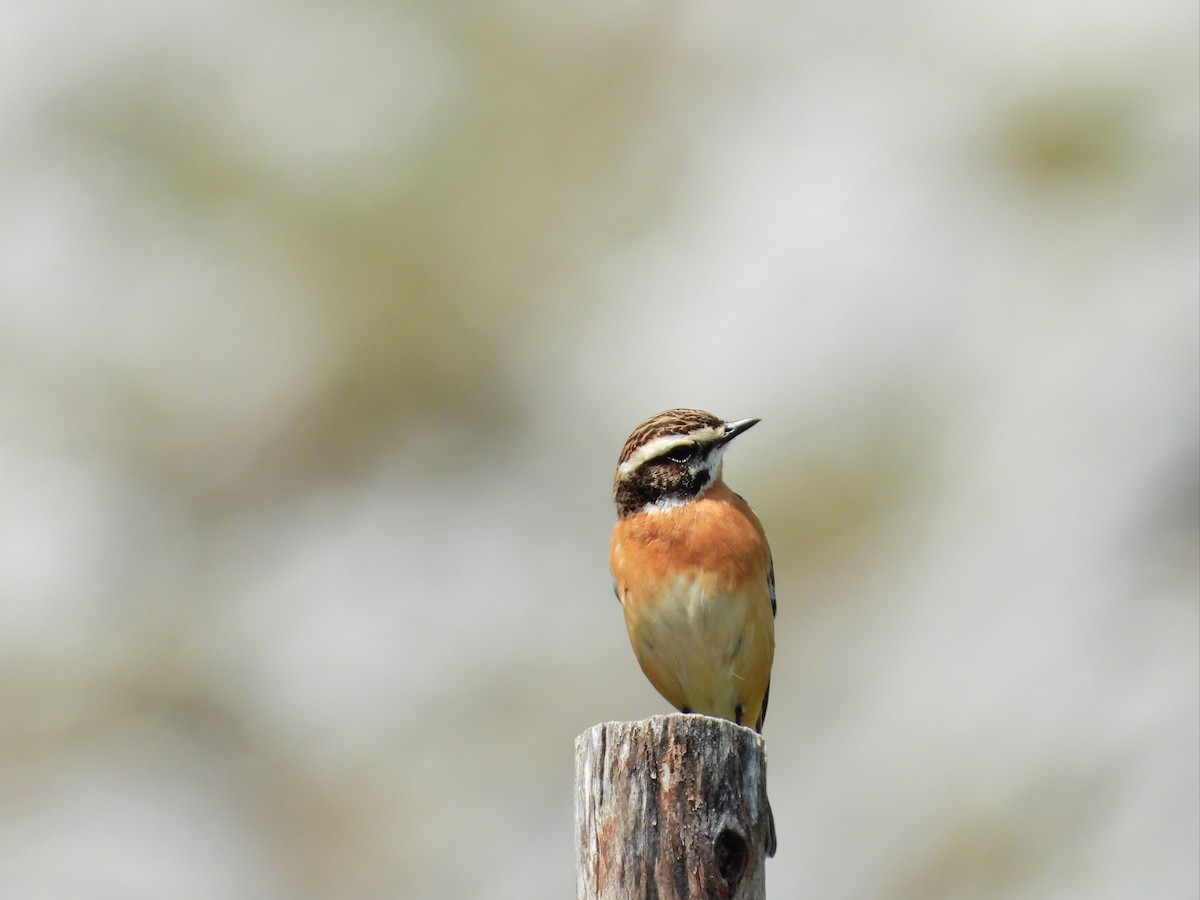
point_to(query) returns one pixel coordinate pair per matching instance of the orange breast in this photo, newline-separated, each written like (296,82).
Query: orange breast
(693,585)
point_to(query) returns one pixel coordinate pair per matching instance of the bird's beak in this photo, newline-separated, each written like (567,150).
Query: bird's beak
(733,429)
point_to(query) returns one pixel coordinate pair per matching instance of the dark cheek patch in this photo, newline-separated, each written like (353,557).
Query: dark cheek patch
(656,480)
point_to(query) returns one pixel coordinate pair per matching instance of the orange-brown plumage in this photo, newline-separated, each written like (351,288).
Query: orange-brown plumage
(692,568)
(717,531)
(694,585)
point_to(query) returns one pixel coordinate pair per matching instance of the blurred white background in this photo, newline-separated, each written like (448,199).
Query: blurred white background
(322,325)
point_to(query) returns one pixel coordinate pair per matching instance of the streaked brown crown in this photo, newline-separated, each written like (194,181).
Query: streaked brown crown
(671,458)
(668,422)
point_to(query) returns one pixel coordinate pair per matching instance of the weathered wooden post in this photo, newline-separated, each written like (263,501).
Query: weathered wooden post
(673,807)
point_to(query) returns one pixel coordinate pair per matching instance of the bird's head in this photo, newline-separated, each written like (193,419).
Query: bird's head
(671,459)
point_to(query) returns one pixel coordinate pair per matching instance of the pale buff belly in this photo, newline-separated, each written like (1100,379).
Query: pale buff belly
(705,647)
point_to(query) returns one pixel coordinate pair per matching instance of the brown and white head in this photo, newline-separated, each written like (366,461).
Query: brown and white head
(672,459)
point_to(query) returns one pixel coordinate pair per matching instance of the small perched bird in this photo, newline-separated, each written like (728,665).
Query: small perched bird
(692,569)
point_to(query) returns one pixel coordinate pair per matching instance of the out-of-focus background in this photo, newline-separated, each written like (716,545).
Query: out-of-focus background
(322,325)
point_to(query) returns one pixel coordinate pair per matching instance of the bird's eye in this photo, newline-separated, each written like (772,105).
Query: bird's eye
(680,454)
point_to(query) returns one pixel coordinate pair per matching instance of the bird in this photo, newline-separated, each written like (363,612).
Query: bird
(693,571)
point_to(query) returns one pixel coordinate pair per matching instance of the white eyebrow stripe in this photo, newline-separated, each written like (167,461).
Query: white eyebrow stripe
(659,446)
(649,451)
